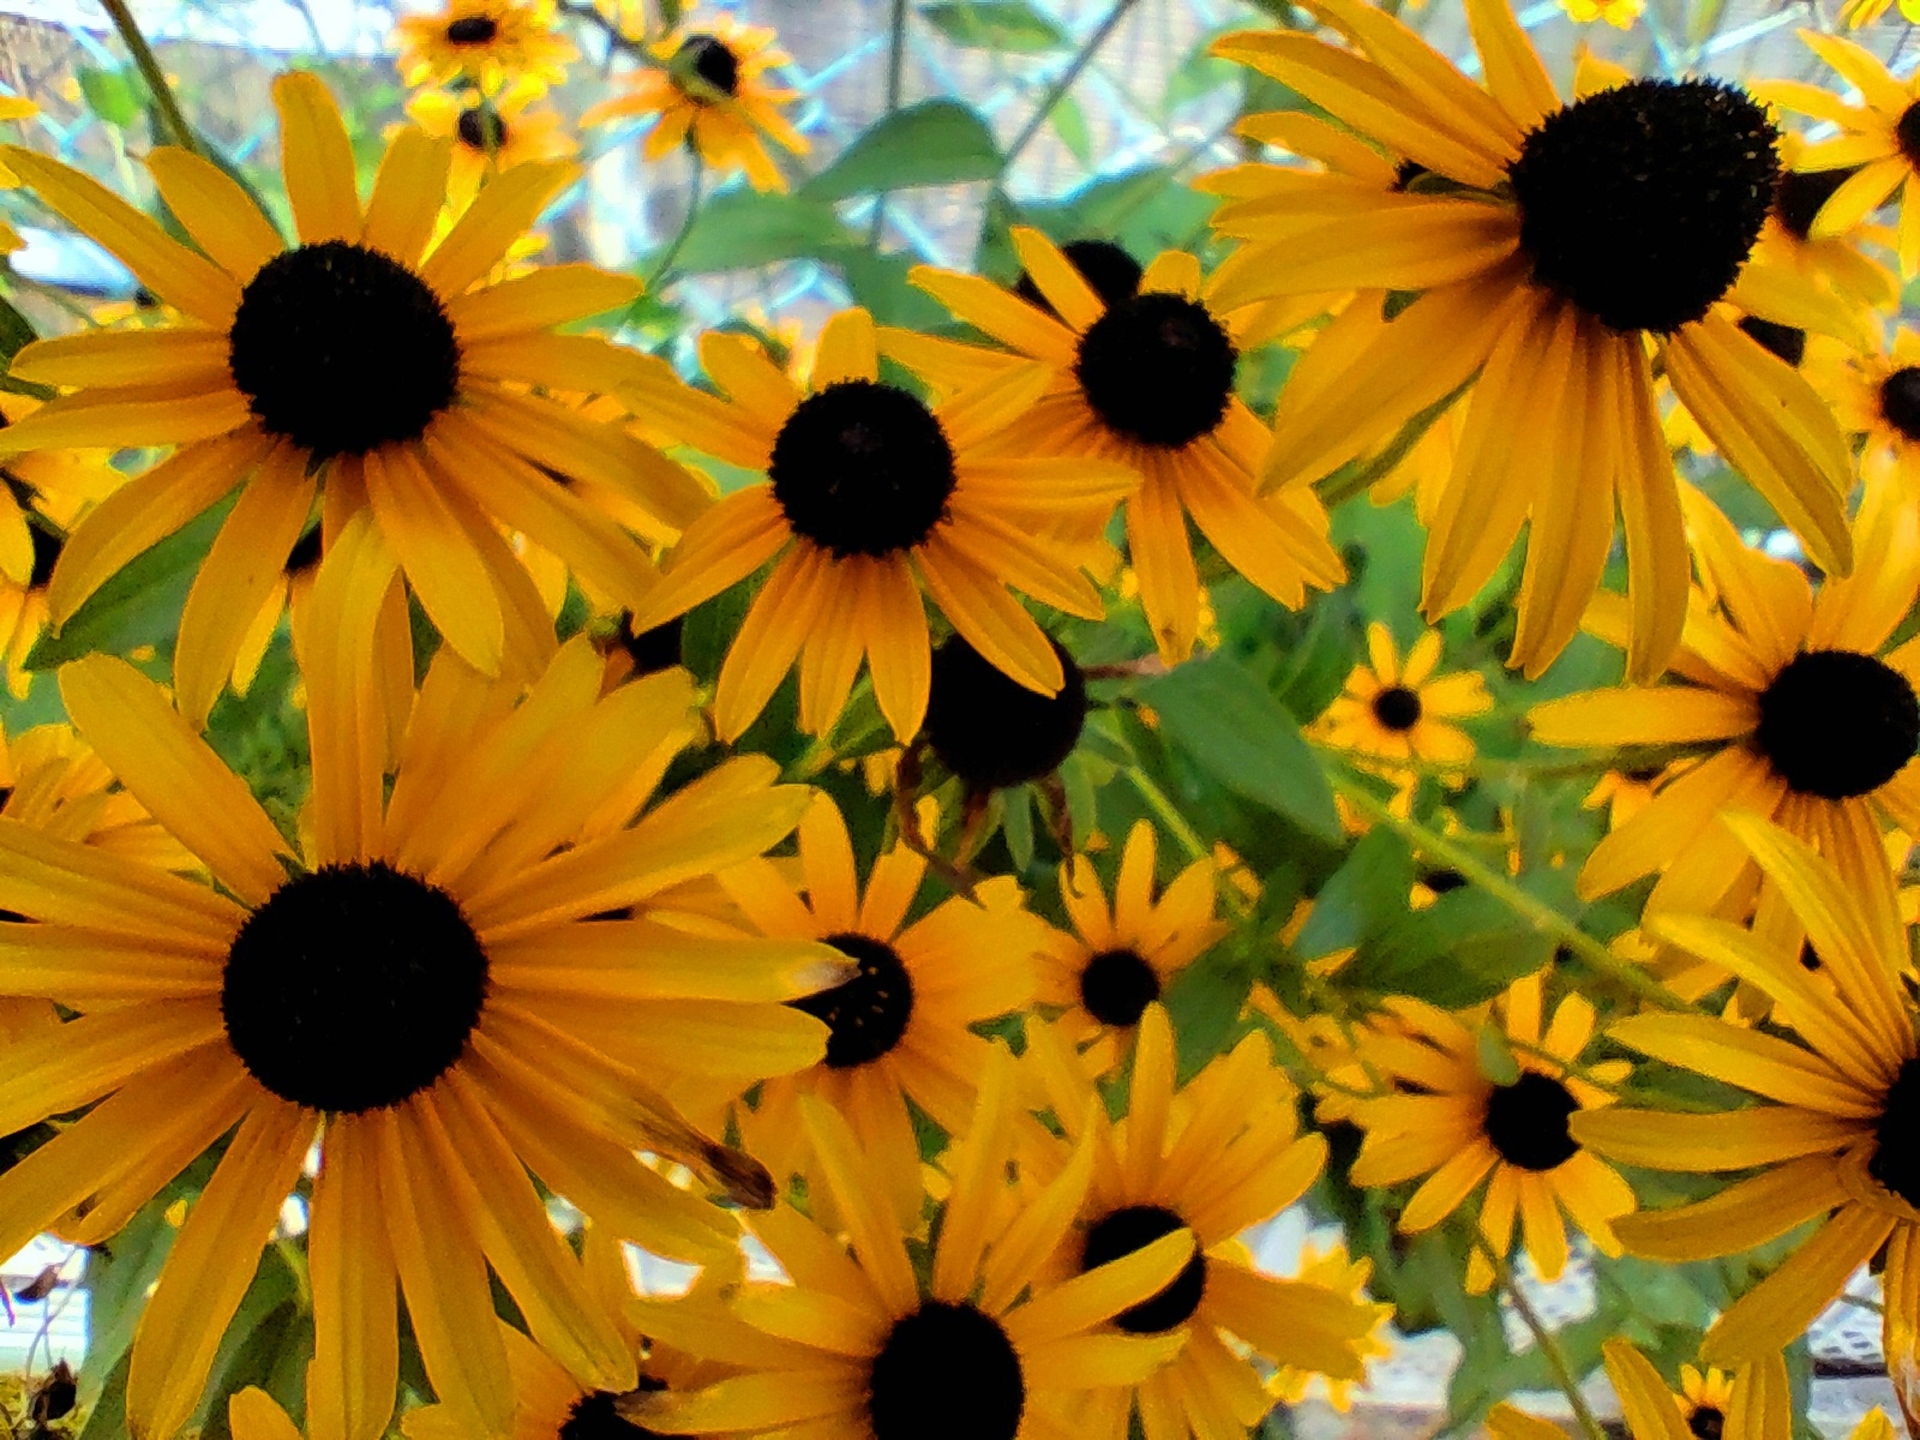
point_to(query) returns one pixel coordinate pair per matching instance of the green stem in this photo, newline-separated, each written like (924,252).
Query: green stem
(664,265)
(1168,816)
(1068,79)
(1478,765)
(1528,907)
(896,83)
(1549,1346)
(150,71)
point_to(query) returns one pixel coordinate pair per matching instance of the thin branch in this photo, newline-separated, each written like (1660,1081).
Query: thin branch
(1549,1345)
(150,71)
(1068,79)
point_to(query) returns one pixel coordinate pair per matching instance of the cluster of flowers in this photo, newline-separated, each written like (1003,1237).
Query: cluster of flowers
(548,927)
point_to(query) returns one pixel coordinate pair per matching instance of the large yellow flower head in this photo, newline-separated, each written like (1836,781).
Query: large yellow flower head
(351,369)
(1554,247)
(491,133)
(423,986)
(1139,371)
(983,1336)
(488,43)
(872,498)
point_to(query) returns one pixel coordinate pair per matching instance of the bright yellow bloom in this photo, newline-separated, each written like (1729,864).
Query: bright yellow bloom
(1396,712)
(490,43)
(490,135)
(985,1336)
(423,988)
(1558,250)
(711,90)
(1618,13)
(1802,716)
(350,370)
(1876,393)
(12,107)
(1832,1147)
(1754,1404)
(1346,1278)
(872,498)
(1449,1122)
(1142,379)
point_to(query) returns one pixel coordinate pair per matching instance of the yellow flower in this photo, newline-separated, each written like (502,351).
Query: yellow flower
(1120,958)
(1802,716)
(489,43)
(1625,793)
(1214,1157)
(1832,1146)
(422,988)
(1876,393)
(872,496)
(1448,1122)
(1558,249)
(1397,712)
(1338,1274)
(1142,378)
(711,90)
(1754,1404)
(346,368)
(983,1337)
(1618,13)
(490,135)
(12,107)
(899,1030)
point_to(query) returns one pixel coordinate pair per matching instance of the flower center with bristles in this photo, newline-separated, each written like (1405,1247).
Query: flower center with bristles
(991,730)
(1706,1422)
(1896,1159)
(1900,401)
(1158,369)
(342,349)
(1788,342)
(353,988)
(481,128)
(1126,1232)
(946,1372)
(1802,193)
(862,468)
(1527,1122)
(473,30)
(46,554)
(1907,132)
(1397,707)
(1116,986)
(867,1015)
(595,1416)
(1641,203)
(708,59)
(1838,724)
(1110,271)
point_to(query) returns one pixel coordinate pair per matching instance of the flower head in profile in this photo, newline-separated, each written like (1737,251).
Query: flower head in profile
(423,986)
(491,133)
(873,500)
(1554,249)
(1139,369)
(1876,393)
(351,371)
(712,91)
(489,44)
(1394,711)
(1449,1122)
(985,1342)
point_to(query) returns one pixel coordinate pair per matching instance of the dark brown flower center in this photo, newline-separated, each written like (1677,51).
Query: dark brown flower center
(1129,1230)
(1116,986)
(473,30)
(1527,1122)
(1158,368)
(862,468)
(947,1372)
(867,1015)
(1397,707)
(1837,724)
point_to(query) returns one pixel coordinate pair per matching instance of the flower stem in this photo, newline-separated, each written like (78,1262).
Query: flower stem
(1549,1346)
(1528,907)
(664,265)
(150,71)
(1067,80)
(896,83)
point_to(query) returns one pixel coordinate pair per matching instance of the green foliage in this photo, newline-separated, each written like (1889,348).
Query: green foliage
(936,142)
(1008,25)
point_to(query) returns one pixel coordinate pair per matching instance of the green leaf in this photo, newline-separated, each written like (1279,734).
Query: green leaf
(1366,892)
(1495,1056)
(139,606)
(1011,25)
(937,142)
(1464,948)
(1227,723)
(116,96)
(1070,124)
(743,230)
(879,284)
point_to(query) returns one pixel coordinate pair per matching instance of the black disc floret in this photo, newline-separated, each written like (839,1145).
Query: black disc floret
(353,987)
(1158,368)
(596,1416)
(1527,1122)
(1113,274)
(1788,342)
(343,349)
(1900,401)
(1397,707)
(1706,1422)
(1907,131)
(46,554)
(654,650)
(1116,986)
(1641,203)
(947,1372)
(1836,723)
(709,58)
(481,128)
(1801,195)
(1896,1158)
(991,730)
(862,468)
(1129,1230)
(473,30)
(867,1015)
(1440,882)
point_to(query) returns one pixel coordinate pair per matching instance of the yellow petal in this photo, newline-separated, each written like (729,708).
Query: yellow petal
(316,159)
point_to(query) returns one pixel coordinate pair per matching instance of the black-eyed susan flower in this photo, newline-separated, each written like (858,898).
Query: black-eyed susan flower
(1121,956)
(1333,1270)
(491,133)
(900,1029)
(1755,1403)
(1623,794)
(422,988)
(984,1342)
(1618,13)
(1801,712)
(1876,394)
(1787,241)
(1393,711)
(872,497)
(1451,1124)
(1146,381)
(51,781)
(712,91)
(1214,1157)
(490,43)
(348,369)
(1556,247)
(1842,1082)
